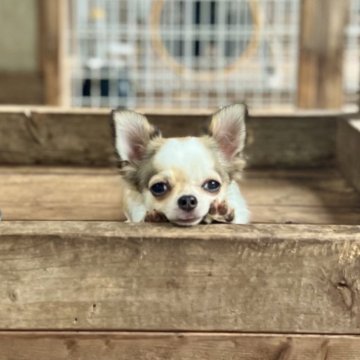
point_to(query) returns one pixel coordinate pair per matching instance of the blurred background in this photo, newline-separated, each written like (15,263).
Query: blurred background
(180,54)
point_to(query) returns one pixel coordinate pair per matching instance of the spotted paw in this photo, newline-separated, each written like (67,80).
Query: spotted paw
(155,216)
(220,212)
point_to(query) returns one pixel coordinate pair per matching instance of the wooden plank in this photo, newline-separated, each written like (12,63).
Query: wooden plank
(308,197)
(321,53)
(84,137)
(348,150)
(175,346)
(281,111)
(291,142)
(303,214)
(51,34)
(41,138)
(20,88)
(255,278)
(311,196)
(60,194)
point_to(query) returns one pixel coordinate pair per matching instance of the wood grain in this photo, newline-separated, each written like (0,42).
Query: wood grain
(175,346)
(321,53)
(305,197)
(64,193)
(83,137)
(52,32)
(348,150)
(43,193)
(255,278)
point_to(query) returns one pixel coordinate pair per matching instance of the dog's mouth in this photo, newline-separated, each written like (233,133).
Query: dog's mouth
(188,221)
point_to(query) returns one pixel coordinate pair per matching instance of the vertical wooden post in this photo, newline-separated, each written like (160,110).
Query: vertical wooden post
(52,20)
(320,73)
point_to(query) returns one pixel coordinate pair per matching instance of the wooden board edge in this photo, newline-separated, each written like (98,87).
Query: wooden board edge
(38,137)
(266,113)
(348,150)
(259,233)
(99,275)
(161,346)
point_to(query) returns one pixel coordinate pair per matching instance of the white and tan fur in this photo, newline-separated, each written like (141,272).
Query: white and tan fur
(185,167)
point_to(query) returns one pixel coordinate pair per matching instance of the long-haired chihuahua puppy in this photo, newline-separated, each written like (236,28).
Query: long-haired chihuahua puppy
(186,180)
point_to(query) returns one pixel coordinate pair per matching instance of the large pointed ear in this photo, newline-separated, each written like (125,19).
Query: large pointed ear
(132,133)
(227,128)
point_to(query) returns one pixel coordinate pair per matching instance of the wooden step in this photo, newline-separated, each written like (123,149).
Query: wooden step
(175,346)
(116,276)
(53,136)
(274,196)
(76,283)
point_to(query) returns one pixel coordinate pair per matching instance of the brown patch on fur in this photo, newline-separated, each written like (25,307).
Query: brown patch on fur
(138,174)
(175,181)
(155,216)
(155,133)
(178,175)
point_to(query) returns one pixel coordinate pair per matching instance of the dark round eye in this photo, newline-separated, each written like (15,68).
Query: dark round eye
(159,188)
(211,185)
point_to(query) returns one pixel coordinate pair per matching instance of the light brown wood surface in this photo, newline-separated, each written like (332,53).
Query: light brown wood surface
(175,346)
(83,137)
(301,196)
(63,193)
(110,275)
(321,49)
(348,151)
(20,88)
(53,193)
(52,31)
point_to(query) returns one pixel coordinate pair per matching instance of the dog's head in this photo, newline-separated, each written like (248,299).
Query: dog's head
(181,177)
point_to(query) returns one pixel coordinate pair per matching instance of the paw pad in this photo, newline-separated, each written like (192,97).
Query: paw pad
(220,212)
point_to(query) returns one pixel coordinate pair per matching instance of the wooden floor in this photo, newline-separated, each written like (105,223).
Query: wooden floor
(59,193)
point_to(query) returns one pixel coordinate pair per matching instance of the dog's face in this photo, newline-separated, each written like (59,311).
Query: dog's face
(187,176)
(181,177)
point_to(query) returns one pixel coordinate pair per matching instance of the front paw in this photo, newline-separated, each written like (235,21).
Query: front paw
(221,212)
(155,216)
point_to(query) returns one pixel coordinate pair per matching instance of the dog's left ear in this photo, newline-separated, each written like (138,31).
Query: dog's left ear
(132,133)
(227,128)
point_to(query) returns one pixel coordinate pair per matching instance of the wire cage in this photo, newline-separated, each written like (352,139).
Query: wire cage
(352,54)
(189,53)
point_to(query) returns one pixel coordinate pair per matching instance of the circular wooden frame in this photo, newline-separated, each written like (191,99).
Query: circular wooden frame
(179,68)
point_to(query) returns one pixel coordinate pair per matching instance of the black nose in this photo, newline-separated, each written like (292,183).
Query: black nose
(187,202)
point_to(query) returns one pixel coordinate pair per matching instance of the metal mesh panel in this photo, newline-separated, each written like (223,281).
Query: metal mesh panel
(183,53)
(352,53)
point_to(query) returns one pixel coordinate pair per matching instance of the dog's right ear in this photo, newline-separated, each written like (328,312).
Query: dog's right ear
(132,133)
(228,129)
